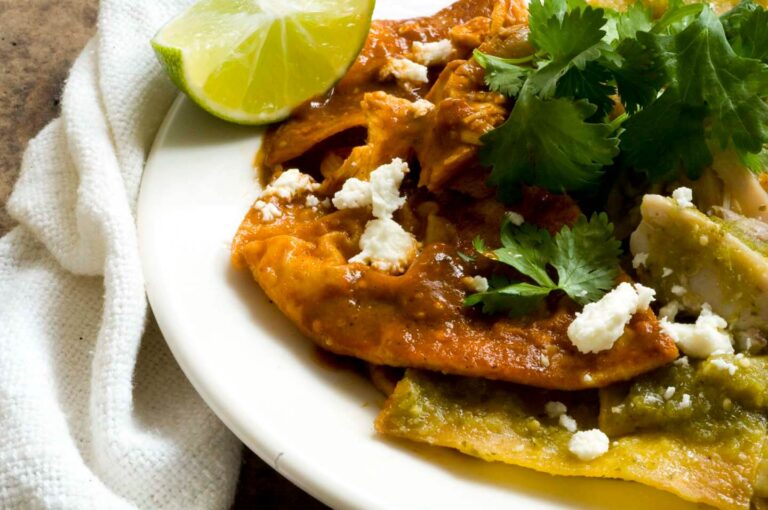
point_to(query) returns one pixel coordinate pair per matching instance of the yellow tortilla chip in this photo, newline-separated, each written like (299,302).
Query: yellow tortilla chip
(507,423)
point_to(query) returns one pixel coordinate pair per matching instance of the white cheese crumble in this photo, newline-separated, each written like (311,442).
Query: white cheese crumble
(312,201)
(650,399)
(422,107)
(555,409)
(405,70)
(544,359)
(639,260)
(725,365)
(477,283)
(685,401)
(589,444)
(597,327)
(669,392)
(290,184)
(269,211)
(670,310)
(432,53)
(386,246)
(586,378)
(515,218)
(678,290)
(665,271)
(683,196)
(382,192)
(706,337)
(568,423)
(385,188)
(681,361)
(353,194)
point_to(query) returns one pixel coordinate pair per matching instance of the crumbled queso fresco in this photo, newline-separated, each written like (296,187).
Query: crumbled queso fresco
(555,409)
(353,194)
(589,444)
(706,337)
(385,245)
(432,53)
(422,107)
(289,184)
(269,211)
(725,365)
(568,423)
(597,327)
(683,197)
(405,70)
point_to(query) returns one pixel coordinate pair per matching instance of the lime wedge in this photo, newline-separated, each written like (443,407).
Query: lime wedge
(254,61)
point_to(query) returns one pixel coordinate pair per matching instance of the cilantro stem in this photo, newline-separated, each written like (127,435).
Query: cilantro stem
(618,121)
(521,60)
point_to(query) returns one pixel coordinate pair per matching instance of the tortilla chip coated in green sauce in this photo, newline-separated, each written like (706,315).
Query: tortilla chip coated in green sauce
(709,455)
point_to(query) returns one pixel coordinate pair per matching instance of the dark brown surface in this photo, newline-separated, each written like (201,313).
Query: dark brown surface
(39,40)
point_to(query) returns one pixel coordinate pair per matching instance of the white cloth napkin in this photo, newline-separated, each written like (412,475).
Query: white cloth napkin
(94,412)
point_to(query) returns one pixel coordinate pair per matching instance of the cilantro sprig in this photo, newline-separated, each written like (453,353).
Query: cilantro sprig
(582,261)
(690,82)
(712,96)
(556,136)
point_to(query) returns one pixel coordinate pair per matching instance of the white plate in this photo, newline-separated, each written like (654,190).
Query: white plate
(312,423)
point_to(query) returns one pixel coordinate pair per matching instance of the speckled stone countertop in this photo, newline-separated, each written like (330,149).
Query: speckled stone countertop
(39,40)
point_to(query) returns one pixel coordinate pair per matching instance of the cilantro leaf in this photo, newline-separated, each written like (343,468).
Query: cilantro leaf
(623,26)
(690,83)
(677,17)
(665,137)
(548,143)
(643,71)
(567,36)
(747,31)
(541,11)
(746,27)
(572,41)
(590,83)
(585,258)
(712,96)
(501,74)
(527,249)
(734,19)
(710,73)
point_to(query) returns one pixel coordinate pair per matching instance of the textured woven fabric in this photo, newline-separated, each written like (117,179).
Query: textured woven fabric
(94,411)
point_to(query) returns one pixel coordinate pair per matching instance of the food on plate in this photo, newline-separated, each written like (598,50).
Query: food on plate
(553,217)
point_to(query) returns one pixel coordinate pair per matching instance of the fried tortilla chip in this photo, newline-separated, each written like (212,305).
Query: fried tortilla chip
(508,423)
(418,319)
(340,110)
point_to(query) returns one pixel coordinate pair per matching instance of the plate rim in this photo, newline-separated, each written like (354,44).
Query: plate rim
(259,440)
